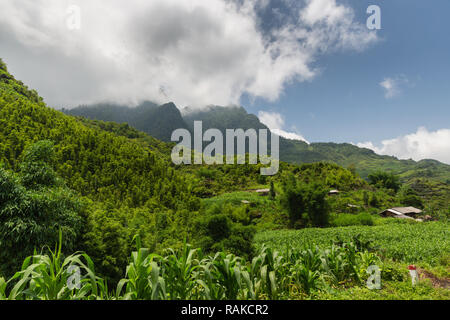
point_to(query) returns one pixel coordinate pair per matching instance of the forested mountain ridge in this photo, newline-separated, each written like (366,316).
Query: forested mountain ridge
(157,121)
(90,159)
(126,185)
(363,160)
(222,118)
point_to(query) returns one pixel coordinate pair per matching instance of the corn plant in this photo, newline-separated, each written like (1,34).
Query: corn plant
(311,258)
(179,273)
(143,279)
(187,274)
(206,278)
(366,259)
(263,272)
(335,264)
(228,273)
(2,288)
(46,277)
(305,278)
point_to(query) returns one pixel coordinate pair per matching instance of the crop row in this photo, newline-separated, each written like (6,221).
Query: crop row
(189,274)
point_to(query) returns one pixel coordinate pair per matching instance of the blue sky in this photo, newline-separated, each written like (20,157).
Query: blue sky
(345,102)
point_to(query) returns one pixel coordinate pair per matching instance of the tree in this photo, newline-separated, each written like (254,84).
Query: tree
(409,197)
(306,203)
(272,193)
(36,167)
(374,202)
(385,180)
(34,208)
(366,198)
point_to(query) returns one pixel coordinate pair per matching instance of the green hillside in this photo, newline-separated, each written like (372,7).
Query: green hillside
(157,121)
(100,187)
(127,184)
(433,175)
(222,118)
(364,161)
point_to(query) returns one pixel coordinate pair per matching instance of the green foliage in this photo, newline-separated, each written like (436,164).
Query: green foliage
(223,228)
(364,160)
(409,242)
(47,277)
(157,121)
(272,192)
(189,274)
(218,227)
(346,219)
(384,180)
(409,197)
(143,279)
(125,185)
(36,167)
(96,163)
(360,160)
(258,211)
(305,203)
(34,208)
(123,176)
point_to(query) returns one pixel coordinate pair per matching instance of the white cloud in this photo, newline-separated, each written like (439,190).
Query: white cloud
(393,85)
(193,52)
(275,122)
(423,144)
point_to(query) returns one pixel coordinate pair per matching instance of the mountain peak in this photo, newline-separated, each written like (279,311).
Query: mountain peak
(3,65)
(169,106)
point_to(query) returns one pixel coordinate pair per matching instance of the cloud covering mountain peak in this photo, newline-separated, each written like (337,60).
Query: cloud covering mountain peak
(191,52)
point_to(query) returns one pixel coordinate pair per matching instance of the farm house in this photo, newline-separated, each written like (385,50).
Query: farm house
(401,212)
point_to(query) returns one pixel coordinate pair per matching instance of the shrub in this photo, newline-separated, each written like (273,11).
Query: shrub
(34,208)
(385,180)
(347,219)
(218,232)
(305,203)
(218,227)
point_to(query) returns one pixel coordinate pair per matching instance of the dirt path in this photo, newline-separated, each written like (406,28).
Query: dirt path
(437,282)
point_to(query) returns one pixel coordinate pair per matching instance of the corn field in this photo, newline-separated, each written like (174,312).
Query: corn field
(189,274)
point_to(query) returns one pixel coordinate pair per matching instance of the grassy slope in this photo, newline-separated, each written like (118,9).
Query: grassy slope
(364,160)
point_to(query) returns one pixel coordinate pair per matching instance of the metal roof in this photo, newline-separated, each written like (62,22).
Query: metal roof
(401,211)
(405,210)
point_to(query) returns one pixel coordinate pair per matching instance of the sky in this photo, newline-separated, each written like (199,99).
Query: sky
(310,69)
